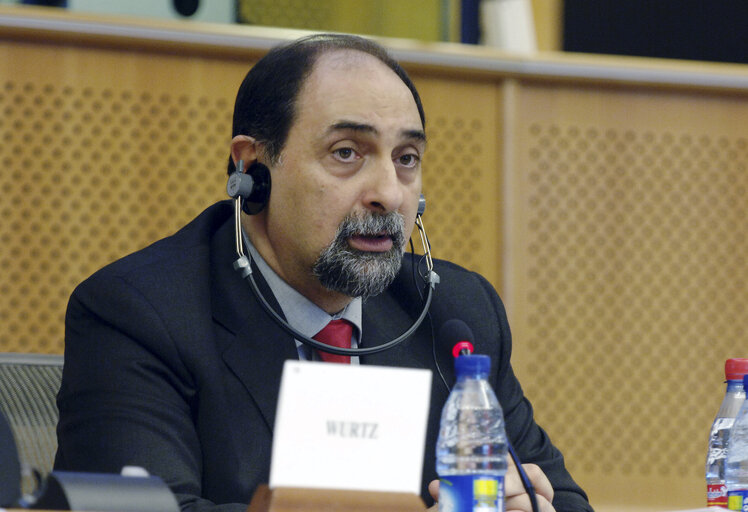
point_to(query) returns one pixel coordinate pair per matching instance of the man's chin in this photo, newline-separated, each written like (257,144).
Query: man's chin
(373,273)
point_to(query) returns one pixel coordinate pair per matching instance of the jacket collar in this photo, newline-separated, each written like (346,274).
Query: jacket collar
(253,347)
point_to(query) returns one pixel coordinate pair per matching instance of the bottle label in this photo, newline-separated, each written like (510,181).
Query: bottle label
(738,500)
(471,493)
(718,439)
(716,495)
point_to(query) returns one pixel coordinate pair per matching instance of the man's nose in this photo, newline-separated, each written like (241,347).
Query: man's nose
(384,191)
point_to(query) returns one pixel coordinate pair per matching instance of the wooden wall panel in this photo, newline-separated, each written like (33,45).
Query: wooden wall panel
(103,152)
(629,268)
(461,172)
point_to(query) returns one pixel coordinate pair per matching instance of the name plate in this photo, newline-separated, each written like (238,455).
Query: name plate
(350,427)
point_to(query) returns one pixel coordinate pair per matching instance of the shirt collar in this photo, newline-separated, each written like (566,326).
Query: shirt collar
(301,313)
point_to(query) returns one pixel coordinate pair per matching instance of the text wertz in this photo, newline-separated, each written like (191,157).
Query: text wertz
(354,429)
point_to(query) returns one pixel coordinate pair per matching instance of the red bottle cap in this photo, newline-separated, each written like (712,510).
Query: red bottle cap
(736,368)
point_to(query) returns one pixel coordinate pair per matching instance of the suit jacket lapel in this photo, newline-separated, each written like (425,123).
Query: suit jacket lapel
(253,347)
(390,314)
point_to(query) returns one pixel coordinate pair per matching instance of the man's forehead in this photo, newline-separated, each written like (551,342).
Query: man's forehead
(342,62)
(358,90)
(345,58)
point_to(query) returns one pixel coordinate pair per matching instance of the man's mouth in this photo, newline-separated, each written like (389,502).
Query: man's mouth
(371,243)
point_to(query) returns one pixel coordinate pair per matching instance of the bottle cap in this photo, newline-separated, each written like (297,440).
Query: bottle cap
(736,368)
(472,366)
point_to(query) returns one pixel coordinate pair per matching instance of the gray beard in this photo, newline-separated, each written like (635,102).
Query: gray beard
(355,273)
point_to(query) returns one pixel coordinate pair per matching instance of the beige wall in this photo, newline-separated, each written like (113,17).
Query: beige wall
(548,24)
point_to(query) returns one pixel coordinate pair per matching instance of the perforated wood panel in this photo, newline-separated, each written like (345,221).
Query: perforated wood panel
(461,180)
(630,276)
(102,153)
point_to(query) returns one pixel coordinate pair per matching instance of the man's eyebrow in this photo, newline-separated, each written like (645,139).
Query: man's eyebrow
(418,135)
(353,126)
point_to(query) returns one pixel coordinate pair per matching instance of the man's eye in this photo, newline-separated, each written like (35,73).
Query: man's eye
(345,154)
(409,160)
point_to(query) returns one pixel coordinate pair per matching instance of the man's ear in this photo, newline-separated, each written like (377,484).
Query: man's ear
(244,147)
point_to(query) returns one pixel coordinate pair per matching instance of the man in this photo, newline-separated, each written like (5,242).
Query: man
(171,363)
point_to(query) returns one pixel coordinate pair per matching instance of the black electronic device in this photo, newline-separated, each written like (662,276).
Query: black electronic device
(252,186)
(104,493)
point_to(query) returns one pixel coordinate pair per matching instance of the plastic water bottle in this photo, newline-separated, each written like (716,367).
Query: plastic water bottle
(736,463)
(471,452)
(716,490)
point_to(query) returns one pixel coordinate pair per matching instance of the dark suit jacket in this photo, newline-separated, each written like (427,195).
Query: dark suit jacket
(170,364)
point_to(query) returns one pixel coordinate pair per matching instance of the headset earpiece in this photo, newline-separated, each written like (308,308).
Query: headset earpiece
(258,197)
(421,204)
(253,186)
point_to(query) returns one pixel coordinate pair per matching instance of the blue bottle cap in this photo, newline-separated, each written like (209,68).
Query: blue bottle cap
(472,366)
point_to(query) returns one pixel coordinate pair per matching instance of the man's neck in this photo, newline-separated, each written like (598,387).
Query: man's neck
(308,286)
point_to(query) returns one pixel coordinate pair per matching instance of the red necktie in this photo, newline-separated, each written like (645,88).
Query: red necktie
(337,334)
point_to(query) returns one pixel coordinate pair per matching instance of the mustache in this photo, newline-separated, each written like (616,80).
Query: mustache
(390,224)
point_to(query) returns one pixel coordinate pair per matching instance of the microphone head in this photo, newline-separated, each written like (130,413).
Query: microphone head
(457,336)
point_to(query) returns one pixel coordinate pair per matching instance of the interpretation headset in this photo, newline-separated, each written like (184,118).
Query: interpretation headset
(252,187)
(251,191)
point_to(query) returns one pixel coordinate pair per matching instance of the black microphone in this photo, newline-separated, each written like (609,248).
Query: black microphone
(456,334)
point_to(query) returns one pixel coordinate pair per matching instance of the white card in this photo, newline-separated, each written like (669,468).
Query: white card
(350,427)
